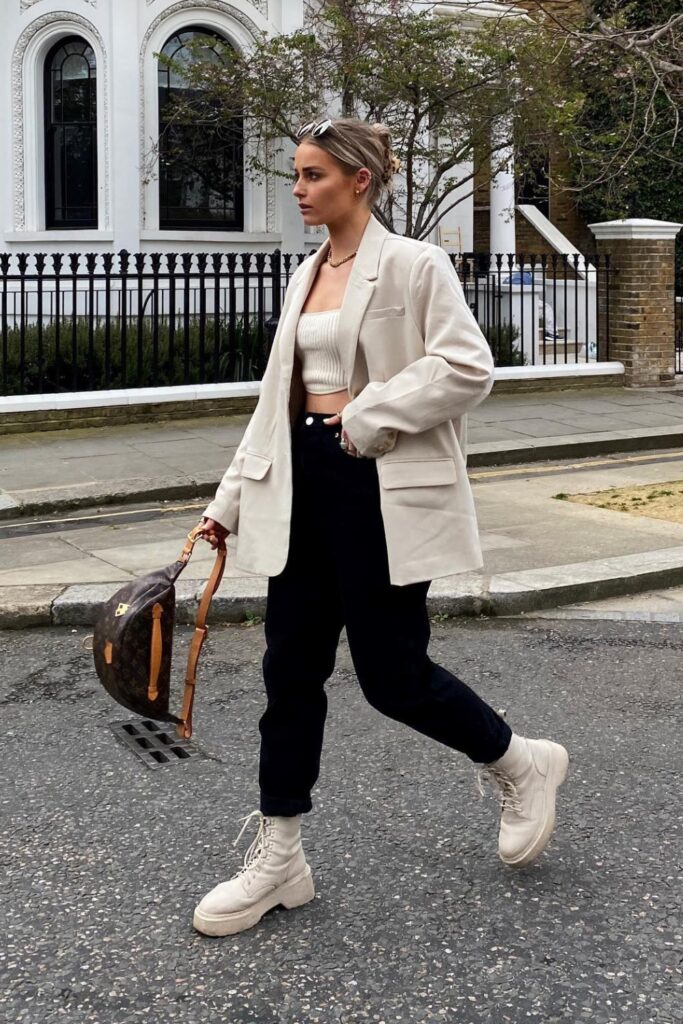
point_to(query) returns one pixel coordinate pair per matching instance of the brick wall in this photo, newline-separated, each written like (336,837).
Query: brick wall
(641,309)
(529,240)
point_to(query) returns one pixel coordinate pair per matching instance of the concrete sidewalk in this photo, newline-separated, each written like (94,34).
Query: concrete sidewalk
(44,472)
(540,551)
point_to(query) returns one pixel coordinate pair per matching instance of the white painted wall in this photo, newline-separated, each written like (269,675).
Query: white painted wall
(124,35)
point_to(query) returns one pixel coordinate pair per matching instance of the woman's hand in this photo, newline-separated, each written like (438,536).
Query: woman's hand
(213,532)
(351,449)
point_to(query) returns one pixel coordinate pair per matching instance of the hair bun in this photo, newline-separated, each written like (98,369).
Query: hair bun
(382,131)
(391,163)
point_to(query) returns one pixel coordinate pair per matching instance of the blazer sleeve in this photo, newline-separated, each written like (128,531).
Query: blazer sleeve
(225,507)
(454,375)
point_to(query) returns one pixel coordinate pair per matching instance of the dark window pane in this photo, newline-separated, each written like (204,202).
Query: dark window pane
(73,150)
(75,66)
(531,184)
(200,164)
(71,135)
(56,96)
(75,101)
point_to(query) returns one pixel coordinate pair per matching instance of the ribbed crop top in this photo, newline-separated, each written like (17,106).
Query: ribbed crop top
(316,347)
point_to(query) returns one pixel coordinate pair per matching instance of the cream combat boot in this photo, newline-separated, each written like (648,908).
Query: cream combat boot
(528,773)
(275,871)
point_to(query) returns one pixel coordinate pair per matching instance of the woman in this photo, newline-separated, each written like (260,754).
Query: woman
(349,491)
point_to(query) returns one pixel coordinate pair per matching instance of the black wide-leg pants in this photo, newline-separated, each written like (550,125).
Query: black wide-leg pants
(337,574)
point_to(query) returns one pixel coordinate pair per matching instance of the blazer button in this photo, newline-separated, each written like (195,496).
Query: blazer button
(309,420)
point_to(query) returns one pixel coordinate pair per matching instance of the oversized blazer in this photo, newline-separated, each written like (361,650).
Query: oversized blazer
(416,361)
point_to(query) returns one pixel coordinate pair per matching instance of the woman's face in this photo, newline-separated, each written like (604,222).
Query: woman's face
(325,194)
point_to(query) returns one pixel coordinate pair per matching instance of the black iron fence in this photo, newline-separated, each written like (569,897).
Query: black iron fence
(99,321)
(678,365)
(539,310)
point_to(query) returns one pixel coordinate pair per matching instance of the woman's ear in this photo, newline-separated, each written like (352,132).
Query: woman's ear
(364,176)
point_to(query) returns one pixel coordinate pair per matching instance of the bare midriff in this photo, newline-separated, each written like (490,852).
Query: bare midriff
(332,402)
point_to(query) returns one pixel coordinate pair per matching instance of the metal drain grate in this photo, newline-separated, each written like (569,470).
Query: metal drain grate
(153,744)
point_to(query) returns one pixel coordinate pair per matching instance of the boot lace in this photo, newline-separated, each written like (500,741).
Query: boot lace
(258,846)
(509,794)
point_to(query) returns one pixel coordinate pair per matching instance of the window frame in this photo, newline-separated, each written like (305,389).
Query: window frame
(51,223)
(197,224)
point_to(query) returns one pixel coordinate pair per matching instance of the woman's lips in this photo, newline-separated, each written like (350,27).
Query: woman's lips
(304,208)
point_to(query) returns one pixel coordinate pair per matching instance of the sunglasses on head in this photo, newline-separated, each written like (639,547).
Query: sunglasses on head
(314,128)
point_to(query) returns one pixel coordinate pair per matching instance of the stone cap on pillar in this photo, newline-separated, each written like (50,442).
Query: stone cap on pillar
(635,228)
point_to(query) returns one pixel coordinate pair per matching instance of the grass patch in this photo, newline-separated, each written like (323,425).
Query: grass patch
(645,500)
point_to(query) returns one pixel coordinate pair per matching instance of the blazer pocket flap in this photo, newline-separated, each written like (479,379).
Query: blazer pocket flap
(255,466)
(417,473)
(374,314)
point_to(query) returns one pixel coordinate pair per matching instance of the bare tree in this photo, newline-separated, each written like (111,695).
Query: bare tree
(453,99)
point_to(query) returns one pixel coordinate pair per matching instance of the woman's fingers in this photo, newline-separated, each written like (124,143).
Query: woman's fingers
(214,533)
(351,448)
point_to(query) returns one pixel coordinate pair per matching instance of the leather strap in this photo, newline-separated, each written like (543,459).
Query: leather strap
(192,538)
(155,653)
(184,727)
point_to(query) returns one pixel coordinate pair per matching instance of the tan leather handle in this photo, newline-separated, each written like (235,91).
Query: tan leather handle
(155,653)
(184,727)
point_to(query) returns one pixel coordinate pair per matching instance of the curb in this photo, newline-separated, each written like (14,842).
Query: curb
(11,509)
(541,451)
(487,456)
(475,594)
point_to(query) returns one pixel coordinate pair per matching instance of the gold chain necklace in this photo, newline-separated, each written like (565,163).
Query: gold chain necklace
(329,259)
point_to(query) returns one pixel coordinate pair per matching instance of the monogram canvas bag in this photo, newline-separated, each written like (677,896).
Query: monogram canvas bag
(133,639)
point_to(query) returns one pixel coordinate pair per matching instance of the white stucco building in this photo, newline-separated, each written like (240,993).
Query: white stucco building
(116,205)
(79,111)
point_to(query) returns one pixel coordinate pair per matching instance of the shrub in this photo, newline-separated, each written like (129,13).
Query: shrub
(75,365)
(501,339)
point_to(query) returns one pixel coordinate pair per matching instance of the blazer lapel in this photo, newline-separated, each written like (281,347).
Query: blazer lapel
(359,290)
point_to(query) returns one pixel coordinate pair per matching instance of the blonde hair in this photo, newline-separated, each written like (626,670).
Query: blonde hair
(354,144)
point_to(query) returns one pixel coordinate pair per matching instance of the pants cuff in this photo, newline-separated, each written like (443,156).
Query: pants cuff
(284,807)
(505,743)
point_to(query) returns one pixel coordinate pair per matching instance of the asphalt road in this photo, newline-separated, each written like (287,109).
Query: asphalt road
(415,919)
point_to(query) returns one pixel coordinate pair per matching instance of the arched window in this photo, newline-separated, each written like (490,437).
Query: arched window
(200,163)
(71,135)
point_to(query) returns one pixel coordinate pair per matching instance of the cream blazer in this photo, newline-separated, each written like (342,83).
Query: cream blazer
(416,361)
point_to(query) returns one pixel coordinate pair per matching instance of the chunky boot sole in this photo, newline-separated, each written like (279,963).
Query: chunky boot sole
(557,773)
(293,893)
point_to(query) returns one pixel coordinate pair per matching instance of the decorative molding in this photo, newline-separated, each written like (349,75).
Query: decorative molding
(25,4)
(221,7)
(270,204)
(260,5)
(18,113)
(270,190)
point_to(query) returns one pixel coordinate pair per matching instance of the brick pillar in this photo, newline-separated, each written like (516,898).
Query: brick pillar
(641,297)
